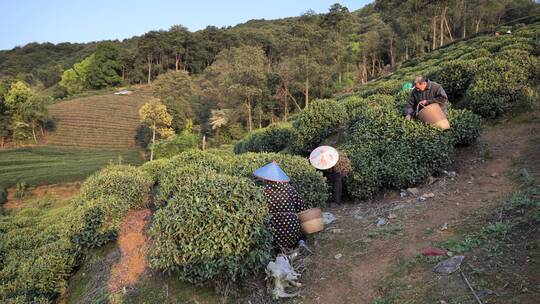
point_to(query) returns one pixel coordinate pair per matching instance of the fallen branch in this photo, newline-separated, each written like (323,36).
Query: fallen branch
(470,287)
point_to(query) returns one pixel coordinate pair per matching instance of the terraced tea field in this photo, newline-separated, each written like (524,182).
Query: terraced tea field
(102,121)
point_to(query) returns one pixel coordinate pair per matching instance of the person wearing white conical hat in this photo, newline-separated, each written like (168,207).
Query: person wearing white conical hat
(284,203)
(335,166)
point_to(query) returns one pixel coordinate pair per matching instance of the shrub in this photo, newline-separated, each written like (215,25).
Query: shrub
(456,76)
(389,152)
(36,256)
(105,198)
(309,182)
(155,168)
(213,230)
(313,125)
(352,102)
(523,59)
(381,87)
(466,126)
(496,88)
(176,144)
(197,159)
(475,54)
(273,138)
(125,183)
(193,161)
(527,47)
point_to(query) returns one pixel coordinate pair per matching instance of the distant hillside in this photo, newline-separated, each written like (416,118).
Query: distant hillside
(101,121)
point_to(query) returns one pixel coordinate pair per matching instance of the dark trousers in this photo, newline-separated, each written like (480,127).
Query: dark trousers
(336,181)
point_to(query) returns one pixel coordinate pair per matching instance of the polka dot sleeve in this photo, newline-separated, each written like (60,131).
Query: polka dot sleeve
(299,203)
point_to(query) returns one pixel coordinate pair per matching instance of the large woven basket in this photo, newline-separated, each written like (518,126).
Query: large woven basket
(311,220)
(433,115)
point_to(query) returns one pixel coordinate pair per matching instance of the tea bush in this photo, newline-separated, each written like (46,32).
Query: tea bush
(389,152)
(496,88)
(390,87)
(309,182)
(475,54)
(465,126)
(213,230)
(176,144)
(524,60)
(313,125)
(456,76)
(273,138)
(155,168)
(36,256)
(197,158)
(105,198)
(126,183)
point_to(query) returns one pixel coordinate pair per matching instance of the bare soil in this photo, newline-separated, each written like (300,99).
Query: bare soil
(132,244)
(368,253)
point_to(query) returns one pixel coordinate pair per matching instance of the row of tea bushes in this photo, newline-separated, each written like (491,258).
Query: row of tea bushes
(274,138)
(212,226)
(39,247)
(490,75)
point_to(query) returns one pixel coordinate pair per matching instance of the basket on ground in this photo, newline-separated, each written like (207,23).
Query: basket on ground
(311,220)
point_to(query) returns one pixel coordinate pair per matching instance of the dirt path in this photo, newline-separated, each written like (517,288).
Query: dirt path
(131,242)
(368,252)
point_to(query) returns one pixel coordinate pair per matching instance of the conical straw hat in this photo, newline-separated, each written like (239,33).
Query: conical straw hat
(271,172)
(324,157)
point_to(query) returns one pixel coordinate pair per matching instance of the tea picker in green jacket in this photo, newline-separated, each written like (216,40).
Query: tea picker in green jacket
(284,203)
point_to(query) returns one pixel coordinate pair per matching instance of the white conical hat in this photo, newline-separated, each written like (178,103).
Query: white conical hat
(324,157)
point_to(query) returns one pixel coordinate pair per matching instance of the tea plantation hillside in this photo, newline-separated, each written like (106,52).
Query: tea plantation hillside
(488,74)
(487,77)
(102,121)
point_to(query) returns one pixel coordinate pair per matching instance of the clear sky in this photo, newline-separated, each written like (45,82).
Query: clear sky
(24,21)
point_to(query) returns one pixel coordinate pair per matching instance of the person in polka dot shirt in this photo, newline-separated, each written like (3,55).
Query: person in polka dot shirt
(284,203)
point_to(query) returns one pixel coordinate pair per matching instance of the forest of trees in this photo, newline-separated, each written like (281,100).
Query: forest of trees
(259,72)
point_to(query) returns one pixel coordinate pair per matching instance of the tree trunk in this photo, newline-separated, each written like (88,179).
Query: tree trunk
(286,107)
(392,59)
(434,35)
(372,66)
(406,52)
(442,28)
(478,24)
(260,117)
(464,20)
(294,100)
(307,93)
(149,71)
(360,73)
(203,146)
(42,132)
(153,142)
(34,132)
(364,69)
(448,29)
(250,116)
